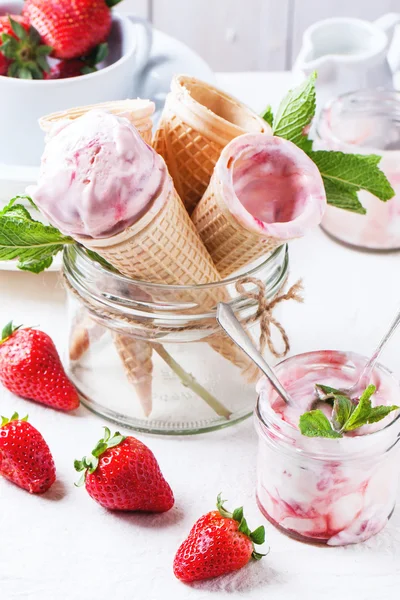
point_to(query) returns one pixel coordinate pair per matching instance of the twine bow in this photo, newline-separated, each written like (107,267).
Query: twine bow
(267,319)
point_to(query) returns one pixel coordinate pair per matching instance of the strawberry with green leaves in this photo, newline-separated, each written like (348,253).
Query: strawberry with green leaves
(75,67)
(219,542)
(30,367)
(25,458)
(22,54)
(121,473)
(72,29)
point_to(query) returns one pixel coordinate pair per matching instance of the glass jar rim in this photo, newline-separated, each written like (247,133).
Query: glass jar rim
(231,280)
(287,429)
(375,94)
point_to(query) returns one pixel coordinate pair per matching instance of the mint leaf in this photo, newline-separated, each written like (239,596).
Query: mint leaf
(295,114)
(378,413)
(353,172)
(268,115)
(342,410)
(315,424)
(342,196)
(29,241)
(361,413)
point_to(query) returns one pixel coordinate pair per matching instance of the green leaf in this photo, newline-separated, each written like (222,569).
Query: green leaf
(315,424)
(43,64)
(100,53)
(8,330)
(342,409)
(360,415)
(86,70)
(102,261)
(29,241)
(341,196)
(221,509)
(295,114)
(244,528)
(78,465)
(81,480)
(111,3)
(268,115)
(34,36)
(257,555)
(100,449)
(9,47)
(237,514)
(377,413)
(258,535)
(353,172)
(24,73)
(44,50)
(19,31)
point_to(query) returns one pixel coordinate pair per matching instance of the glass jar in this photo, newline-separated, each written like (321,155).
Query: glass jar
(365,122)
(327,491)
(150,357)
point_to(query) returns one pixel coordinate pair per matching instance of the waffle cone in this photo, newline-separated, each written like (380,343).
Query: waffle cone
(164,247)
(229,243)
(83,332)
(198,121)
(138,112)
(136,356)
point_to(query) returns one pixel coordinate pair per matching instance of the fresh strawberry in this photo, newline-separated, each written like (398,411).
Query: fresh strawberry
(73,29)
(21,52)
(218,543)
(25,458)
(31,368)
(123,474)
(75,67)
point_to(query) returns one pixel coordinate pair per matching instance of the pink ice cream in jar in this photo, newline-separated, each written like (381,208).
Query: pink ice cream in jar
(327,491)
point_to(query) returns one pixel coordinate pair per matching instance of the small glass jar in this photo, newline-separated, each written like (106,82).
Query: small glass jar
(327,491)
(150,356)
(365,122)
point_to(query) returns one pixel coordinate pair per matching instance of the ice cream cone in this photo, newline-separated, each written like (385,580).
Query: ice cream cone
(276,181)
(136,356)
(164,247)
(198,121)
(83,333)
(138,112)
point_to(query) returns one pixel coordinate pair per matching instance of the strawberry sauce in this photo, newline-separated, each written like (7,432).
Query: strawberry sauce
(329,491)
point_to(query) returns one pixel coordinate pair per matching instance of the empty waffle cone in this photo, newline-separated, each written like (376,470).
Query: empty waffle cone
(84,332)
(136,356)
(138,112)
(198,121)
(164,247)
(279,184)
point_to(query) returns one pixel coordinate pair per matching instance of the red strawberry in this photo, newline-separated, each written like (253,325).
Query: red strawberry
(21,54)
(78,66)
(25,458)
(218,543)
(123,474)
(73,29)
(31,368)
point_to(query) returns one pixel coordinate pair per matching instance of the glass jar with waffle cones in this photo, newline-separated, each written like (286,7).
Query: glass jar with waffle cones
(151,356)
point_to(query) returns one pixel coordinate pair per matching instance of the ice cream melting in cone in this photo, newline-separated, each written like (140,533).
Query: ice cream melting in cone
(198,121)
(264,192)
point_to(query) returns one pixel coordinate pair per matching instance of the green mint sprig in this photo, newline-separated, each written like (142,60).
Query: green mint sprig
(347,415)
(31,242)
(343,174)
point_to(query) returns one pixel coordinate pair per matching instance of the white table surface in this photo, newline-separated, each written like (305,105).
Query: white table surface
(63,545)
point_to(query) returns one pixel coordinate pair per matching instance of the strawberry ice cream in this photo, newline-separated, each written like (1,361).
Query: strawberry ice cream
(330,491)
(98,176)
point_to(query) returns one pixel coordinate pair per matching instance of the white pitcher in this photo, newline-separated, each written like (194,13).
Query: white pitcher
(350,54)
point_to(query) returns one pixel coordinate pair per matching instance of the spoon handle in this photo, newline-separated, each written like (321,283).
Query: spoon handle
(233,328)
(371,363)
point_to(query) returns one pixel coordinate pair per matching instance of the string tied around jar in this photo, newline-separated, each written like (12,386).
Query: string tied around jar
(267,320)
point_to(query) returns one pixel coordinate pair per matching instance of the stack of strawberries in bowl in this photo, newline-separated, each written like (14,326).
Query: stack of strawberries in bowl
(55,40)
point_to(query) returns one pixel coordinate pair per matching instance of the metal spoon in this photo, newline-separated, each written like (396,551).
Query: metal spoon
(369,367)
(232,327)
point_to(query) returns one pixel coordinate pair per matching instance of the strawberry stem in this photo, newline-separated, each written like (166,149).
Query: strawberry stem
(8,331)
(89,463)
(257,536)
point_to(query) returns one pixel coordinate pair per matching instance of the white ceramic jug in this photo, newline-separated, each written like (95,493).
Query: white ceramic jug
(350,54)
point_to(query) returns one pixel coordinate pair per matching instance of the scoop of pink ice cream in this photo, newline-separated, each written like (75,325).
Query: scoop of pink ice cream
(271,186)
(97,176)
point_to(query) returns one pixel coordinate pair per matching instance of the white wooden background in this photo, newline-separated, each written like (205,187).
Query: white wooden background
(249,35)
